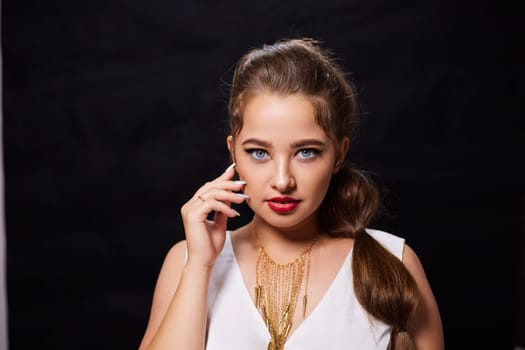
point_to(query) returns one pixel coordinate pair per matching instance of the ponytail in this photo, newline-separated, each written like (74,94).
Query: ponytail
(385,289)
(401,340)
(383,286)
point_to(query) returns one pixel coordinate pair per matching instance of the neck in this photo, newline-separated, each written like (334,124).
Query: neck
(284,244)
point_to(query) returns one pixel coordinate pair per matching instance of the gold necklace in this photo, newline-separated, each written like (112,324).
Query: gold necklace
(276,291)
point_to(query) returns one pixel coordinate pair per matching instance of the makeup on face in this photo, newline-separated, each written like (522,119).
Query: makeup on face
(285,156)
(283,205)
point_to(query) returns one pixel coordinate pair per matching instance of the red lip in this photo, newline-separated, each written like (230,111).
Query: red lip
(283,204)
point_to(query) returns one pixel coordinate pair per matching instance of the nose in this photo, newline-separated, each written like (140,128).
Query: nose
(283,179)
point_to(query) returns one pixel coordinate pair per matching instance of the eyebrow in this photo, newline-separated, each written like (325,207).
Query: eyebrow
(308,142)
(257,142)
(297,144)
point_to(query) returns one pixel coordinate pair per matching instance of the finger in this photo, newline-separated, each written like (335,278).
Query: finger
(223,208)
(228,173)
(225,179)
(198,210)
(223,196)
(229,185)
(220,220)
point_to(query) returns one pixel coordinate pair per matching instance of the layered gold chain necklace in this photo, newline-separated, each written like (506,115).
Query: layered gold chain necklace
(277,289)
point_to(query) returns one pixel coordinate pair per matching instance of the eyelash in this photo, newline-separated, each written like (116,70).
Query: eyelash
(314,153)
(251,152)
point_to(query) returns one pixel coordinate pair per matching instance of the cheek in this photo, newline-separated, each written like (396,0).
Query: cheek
(244,173)
(252,187)
(320,180)
(246,169)
(257,177)
(324,182)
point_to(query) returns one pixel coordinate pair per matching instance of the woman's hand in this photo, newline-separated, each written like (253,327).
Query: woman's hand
(180,305)
(205,238)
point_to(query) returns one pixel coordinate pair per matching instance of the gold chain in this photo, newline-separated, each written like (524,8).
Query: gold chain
(276,291)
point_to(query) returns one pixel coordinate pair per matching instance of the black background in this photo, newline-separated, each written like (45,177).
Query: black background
(115,112)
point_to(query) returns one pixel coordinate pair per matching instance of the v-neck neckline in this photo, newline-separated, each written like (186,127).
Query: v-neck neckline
(319,305)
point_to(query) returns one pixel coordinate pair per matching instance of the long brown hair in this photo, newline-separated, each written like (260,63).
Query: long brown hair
(383,286)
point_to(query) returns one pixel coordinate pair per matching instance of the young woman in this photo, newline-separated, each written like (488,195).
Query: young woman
(306,272)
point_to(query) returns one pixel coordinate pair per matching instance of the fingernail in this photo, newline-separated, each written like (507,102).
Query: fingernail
(236,212)
(242,195)
(229,168)
(239,182)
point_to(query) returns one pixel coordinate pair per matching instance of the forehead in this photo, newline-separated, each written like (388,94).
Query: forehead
(275,116)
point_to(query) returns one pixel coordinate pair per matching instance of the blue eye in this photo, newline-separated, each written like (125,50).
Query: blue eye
(257,154)
(308,153)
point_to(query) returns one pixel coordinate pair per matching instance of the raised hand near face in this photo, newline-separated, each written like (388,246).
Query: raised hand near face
(205,238)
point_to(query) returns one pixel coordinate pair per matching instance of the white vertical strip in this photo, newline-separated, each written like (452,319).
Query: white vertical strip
(3,286)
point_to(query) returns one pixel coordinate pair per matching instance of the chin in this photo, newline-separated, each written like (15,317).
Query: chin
(284,221)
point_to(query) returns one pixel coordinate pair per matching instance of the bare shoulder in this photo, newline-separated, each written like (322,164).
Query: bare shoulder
(167,283)
(171,269)
(412,263)
(425,324)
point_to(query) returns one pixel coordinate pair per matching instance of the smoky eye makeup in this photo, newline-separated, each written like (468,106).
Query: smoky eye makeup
(257,153)
(308,153)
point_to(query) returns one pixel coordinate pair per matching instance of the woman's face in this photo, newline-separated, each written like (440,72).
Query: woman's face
(285,157)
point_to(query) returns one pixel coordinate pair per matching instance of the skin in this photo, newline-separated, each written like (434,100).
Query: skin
(280,151)
(275,162)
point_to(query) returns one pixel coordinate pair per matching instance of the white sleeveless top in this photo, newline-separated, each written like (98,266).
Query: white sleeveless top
(337,322)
